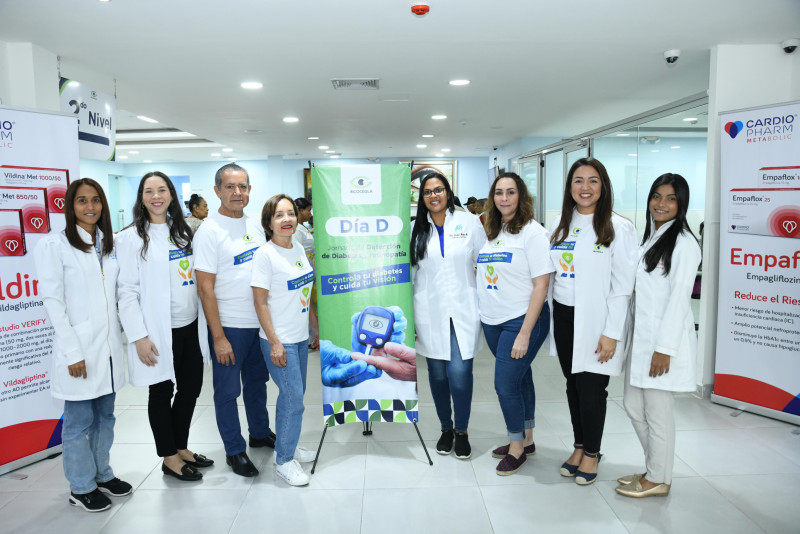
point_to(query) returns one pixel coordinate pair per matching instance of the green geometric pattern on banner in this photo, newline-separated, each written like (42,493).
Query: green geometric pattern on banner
(390,411)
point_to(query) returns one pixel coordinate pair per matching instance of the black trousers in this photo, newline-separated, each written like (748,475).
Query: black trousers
(586,392)
(170,419)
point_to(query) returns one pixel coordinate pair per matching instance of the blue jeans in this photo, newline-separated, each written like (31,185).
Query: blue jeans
(291,381)
(227,388)
(513,379)
(452,378)
(86,437)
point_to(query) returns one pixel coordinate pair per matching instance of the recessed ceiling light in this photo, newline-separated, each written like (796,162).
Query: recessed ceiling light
(73,83)
(313,138)
(122,157)
(624,135)
(252,131)
(146,119)
(231,159)
(690,119)
(674,147)
(422,146)
(290,119)
(323,147)
(104,1)
(334,156)
(216,155)
(227,150)
(654,151)
(439,155)
(148,161)
(445,150)
(252,85)
(459,82)
(330,152)
(633,155)
(427,135)
(438,117)
(133,151)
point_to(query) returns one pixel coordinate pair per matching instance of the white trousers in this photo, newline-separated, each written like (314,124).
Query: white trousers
(651,412)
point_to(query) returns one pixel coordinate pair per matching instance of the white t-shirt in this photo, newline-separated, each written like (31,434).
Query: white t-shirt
(506,268)
(305,238)
(563,257)
(287,274)
(182,289)
(225,247)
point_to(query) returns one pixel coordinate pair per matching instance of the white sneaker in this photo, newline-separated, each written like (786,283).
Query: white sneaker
(300,454)
(304,455)
(292,473)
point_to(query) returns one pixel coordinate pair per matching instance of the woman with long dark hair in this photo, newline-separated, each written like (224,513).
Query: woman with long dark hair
(158,306)
(593,251)
(444,248)
(513,275)
(77,272)
(664,349)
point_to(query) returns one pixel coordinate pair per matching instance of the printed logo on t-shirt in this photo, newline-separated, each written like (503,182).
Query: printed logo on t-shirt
(245,256)
(304,284)
(170,241)
(598,248)
(305,298)
(491,277)
(576,231)
(247,238)
(568,269)
(184,265)
(498,243)
(299,264)
(459,228)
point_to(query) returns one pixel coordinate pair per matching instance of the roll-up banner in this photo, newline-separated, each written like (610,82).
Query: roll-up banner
(96,112)
(363,276)
(38,156)
(758,329)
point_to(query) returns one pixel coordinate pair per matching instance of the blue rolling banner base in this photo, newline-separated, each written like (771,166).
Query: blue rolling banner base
(368,432)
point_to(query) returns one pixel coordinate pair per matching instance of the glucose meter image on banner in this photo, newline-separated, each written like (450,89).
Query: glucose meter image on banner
(374,328)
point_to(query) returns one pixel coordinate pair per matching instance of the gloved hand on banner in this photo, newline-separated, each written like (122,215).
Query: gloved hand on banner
(340,370)
(399,361)
(398,330)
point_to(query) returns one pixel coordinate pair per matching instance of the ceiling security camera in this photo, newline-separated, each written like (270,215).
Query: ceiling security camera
(790,45)
(672,56)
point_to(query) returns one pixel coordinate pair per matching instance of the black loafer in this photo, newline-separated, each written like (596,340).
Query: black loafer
(187,474)
(200,461)
(241,465)
(269,441)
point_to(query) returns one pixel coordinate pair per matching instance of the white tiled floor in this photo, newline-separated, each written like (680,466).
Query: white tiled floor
(732,474)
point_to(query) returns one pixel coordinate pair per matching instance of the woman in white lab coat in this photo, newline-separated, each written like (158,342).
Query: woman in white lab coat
(77,272)
(158,306)
(594,254)
(444,247)
(663,353)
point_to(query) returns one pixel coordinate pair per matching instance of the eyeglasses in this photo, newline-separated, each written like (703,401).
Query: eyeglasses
(438,191)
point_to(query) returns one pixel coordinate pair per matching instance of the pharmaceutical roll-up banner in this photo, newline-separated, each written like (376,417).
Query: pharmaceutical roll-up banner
(758,329)
(96,112)
(365,301)
(38,157)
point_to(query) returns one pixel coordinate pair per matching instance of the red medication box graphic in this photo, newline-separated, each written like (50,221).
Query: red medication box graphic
(12,238)
(33,203)
(55,181)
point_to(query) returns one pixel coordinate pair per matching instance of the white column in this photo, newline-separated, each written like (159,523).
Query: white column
(741,76)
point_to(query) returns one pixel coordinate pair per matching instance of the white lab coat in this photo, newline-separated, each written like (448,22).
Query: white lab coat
(444,289)
(81,304)
(663,317)
(143,290)
(603,286)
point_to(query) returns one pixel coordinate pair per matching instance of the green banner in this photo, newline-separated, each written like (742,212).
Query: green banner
(365,301)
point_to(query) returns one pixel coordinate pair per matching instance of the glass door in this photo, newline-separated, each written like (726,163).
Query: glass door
(553,178)
(529,170)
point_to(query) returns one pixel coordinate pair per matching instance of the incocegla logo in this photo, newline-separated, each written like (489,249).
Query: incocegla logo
(498,243)
(599,248)
(247,238)
(299,264)
(93,94)
(360,182)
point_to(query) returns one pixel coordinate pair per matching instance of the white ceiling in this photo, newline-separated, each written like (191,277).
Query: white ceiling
(549,69)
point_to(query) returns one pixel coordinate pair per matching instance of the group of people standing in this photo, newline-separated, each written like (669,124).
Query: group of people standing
(516,283)
(234,291)
(231,287)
